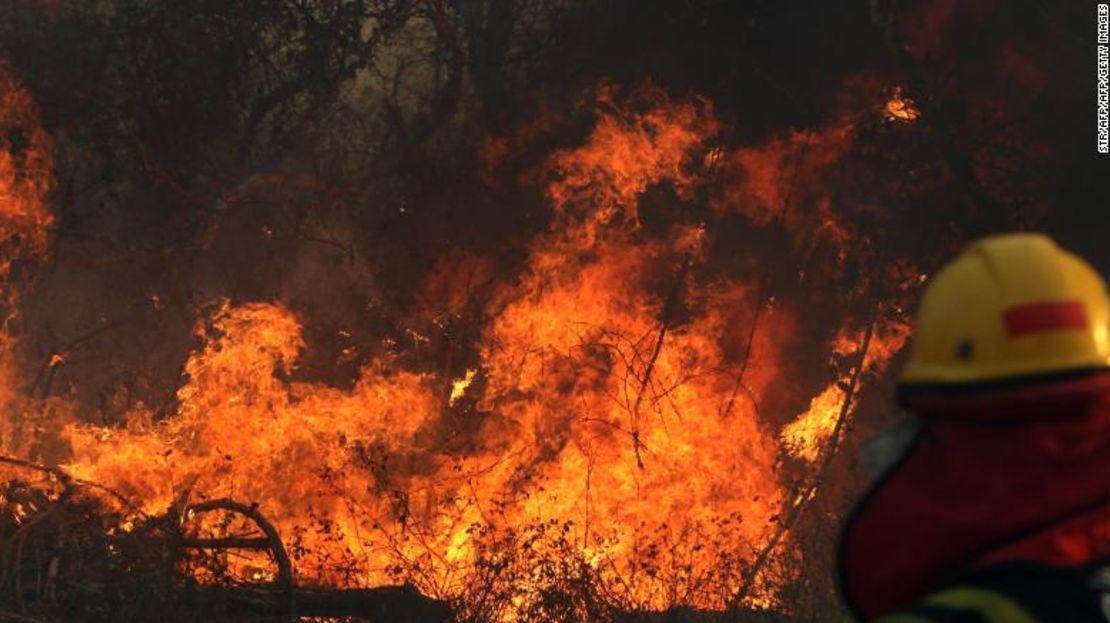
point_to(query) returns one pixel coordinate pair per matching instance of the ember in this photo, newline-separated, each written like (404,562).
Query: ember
(900,108)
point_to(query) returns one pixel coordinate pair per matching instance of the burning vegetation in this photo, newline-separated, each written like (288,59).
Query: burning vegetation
(334,324)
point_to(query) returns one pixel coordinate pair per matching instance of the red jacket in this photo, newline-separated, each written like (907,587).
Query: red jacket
(1010,474)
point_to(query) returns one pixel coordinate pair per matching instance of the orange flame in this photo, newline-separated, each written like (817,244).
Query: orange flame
(810,431)
(901,108)
(610,396)
(26,178)
(625,154)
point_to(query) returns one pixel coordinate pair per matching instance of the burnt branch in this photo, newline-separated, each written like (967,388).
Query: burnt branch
(657,347)
(802,494)
(281,557)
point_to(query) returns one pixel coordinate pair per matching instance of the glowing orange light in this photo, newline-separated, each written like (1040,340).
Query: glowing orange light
(900,108)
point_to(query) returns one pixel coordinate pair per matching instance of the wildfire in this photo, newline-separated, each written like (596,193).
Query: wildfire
(625,154)
(26,178)
(617,414)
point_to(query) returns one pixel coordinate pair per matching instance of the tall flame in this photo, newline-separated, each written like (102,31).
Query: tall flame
(26,179)
(610,411)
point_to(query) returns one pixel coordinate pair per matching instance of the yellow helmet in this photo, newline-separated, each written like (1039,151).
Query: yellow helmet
(1009,307)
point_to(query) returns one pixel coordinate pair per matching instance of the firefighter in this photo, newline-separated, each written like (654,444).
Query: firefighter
(998,509)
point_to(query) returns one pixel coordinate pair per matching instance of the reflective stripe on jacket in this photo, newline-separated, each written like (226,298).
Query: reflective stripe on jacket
(1016,593)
